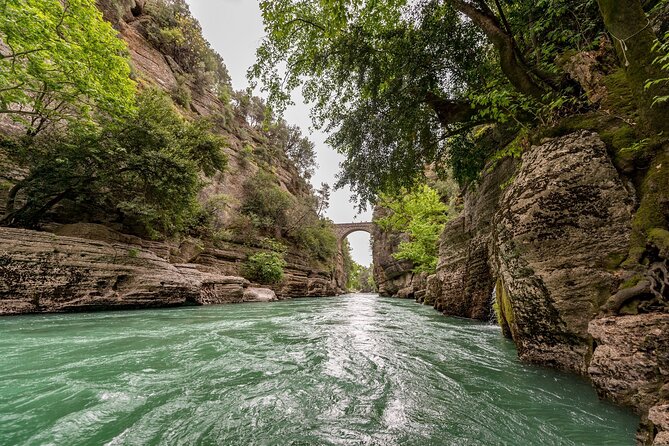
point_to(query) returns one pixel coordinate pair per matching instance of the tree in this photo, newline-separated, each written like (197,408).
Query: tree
(394,81)
(367,69)
(420,214)
(60,61)
(266,202)
(144,169)
(175,32)
(299,149)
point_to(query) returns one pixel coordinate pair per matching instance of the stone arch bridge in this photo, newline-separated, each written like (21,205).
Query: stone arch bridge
(344,229)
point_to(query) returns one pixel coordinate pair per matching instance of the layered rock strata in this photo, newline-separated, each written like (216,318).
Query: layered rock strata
(90,267)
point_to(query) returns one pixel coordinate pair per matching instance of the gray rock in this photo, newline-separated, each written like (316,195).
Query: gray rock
(562,224)
(259,295)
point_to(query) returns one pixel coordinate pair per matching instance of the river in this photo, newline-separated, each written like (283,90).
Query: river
(354,370)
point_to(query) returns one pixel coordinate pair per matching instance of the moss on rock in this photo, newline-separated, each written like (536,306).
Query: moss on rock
(650,221)
(504,309)
(659,237)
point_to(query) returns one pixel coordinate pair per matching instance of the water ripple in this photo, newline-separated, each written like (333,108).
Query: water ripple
(358,370)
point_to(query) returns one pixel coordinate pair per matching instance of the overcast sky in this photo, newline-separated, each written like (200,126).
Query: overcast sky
(234,28)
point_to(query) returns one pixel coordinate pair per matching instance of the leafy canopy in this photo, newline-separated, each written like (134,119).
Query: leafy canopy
(397,82)
(371,70)
(60,61)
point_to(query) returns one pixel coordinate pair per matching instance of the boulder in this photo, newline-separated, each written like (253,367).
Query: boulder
(259,295)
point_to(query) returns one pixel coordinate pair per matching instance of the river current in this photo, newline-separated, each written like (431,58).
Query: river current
(353,370)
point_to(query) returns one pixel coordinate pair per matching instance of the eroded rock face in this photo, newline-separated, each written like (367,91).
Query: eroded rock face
(42,272)
(465,267)
(557,235)
(563,226)
(391,275)
(630,366)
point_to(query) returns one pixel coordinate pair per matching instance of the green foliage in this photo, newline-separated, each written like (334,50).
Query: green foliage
(401,84)
(133,253)
(318,238)
(273,245)
(347,261)
(662,61)
(270,210)
(353,279)
(180,93)
(264,267)
(361,278)
(60,61)
(299,149)
(175,32)
(265,202)
(420,214)
(144,169)
(369,73)
(466,158)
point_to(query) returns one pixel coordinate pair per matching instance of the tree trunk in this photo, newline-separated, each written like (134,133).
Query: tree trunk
(633,36)
(512,67)
(11,199)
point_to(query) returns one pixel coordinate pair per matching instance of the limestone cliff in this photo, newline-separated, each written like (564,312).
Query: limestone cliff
(83,262)
(546,236)
(393,277)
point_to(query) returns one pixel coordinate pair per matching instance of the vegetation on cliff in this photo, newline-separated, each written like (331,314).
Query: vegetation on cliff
(420,214)
(99,141)
(361,278)
(60,63)
(144,167)
(264,267)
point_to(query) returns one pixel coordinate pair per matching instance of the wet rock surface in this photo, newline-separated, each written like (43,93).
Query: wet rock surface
(630,366)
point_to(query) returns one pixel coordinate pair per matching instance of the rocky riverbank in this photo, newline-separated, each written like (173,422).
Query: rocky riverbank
(104,270)
(547,235)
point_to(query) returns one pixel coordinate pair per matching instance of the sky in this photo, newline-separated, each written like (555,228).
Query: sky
(234,29)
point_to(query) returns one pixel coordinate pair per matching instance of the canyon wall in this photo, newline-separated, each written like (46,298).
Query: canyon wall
(80,262)
(546,236)
(543,244)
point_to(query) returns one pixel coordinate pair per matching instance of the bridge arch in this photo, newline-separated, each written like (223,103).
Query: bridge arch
(344,229)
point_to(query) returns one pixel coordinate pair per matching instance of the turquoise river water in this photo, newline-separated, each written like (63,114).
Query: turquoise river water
(354,370)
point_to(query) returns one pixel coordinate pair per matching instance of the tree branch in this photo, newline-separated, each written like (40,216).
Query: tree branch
(449,111)
(512,67)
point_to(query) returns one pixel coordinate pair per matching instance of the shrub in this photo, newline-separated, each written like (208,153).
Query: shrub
(178,34)
(265,202)
(180,93)
(319,239)
(264,267)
